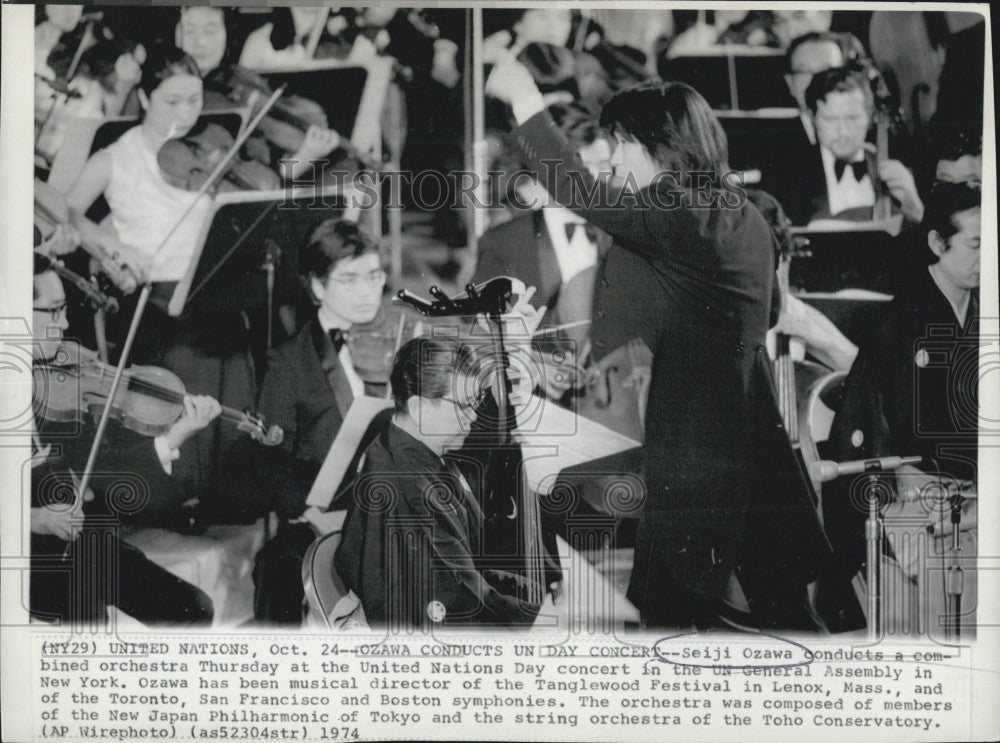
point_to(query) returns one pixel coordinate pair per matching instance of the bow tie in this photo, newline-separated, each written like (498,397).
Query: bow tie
(589,230)
(860,169)
(338,337)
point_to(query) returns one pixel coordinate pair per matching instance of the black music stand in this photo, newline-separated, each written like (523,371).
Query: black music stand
(227,271)
(337,90)
(857,257)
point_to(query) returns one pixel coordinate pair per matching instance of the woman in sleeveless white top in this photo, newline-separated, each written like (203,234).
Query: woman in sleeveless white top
(207,350)
(145,208)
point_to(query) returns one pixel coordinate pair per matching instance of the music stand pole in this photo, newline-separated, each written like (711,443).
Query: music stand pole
(873,539)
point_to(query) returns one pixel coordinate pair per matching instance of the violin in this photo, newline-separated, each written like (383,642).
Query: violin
(186,163)
(289,119)
(150,401)
(90,288)
(374,345)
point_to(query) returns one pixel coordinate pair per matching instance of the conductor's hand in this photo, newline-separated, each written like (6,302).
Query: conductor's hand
(199,411)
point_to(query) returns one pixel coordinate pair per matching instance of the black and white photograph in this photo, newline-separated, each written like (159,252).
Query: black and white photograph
(501,371)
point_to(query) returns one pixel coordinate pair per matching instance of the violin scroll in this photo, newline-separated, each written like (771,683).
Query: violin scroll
(253,425)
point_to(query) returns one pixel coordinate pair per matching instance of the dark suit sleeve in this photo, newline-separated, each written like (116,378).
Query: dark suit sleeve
(459,585)
(277,403)
(634,222)
(489,263)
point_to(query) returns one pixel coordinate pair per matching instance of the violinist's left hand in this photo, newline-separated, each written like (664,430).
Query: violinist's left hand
(899,180)
(199,411)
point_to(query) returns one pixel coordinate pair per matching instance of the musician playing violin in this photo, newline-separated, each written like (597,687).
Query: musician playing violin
(203,33)
(152,231)
(64,581)
(843,178)
(707,268)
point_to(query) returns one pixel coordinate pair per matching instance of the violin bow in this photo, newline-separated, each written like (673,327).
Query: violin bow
(147,288)
(317,31)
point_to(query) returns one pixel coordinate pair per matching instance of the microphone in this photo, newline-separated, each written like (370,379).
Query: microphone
(824,470)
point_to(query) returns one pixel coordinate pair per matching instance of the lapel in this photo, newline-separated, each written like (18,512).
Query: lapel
(331,368)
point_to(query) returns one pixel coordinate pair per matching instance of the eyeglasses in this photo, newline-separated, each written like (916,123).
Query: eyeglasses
(56,312)
(464,405)
(353,281)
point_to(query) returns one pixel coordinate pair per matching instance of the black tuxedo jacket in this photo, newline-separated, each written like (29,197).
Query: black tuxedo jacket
(799,183)
(296,395)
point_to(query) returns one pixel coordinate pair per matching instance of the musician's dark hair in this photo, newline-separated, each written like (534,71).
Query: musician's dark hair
(946,200)
(332,241)
(839,80)
(953,142)
(428,367)
(98,62)
(851,48)
(673,122)
(163,62)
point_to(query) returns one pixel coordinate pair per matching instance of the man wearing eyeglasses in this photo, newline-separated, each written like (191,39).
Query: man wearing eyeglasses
(71,552)
(445,578)
(308,388)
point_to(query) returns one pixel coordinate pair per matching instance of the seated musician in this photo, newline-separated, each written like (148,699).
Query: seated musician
(308,388)
(66,579)
(817,52)
(839,181)
(436,390)
(203,32)
(550,247)
(914,375)
(152,231)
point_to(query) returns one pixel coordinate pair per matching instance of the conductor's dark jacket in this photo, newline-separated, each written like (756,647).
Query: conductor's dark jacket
(696,284)
(413,541)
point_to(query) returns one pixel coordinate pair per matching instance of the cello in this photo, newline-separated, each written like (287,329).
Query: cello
(513,533)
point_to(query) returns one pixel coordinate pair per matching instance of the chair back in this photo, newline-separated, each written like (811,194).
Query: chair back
(323,587)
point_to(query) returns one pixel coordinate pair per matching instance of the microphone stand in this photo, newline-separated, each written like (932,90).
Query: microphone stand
(271,259)
(873,541)
(954,576)
(148,286)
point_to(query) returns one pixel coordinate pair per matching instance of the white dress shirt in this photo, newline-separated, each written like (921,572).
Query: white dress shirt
(357,384)
(848,192)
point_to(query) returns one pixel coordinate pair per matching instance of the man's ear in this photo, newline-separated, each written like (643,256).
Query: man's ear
(413,408)
(936,243)
(317,288)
